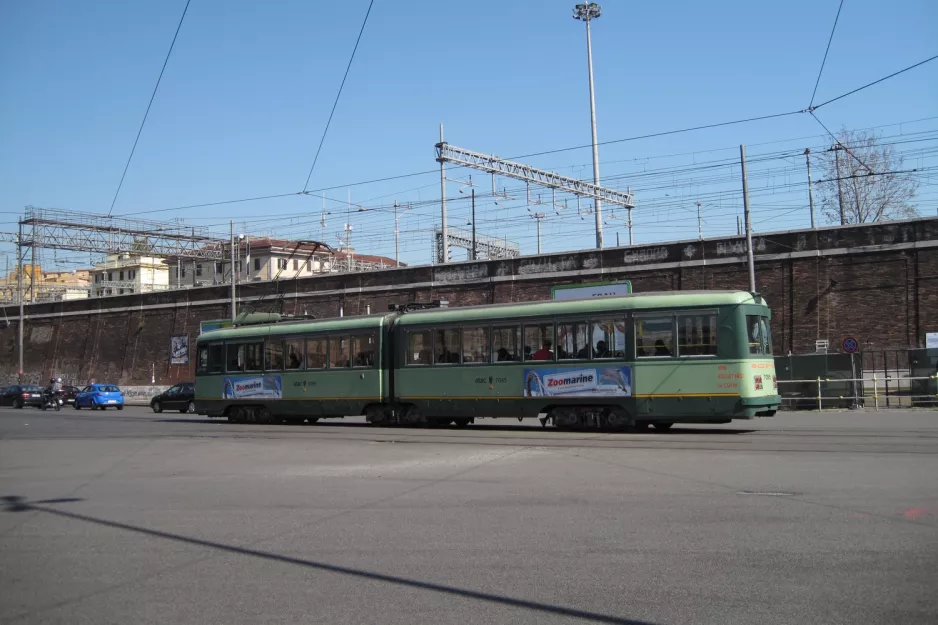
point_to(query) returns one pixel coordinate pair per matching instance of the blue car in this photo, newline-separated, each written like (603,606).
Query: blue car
(100,396)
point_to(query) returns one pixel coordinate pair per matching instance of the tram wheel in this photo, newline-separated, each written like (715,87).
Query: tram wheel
(462,422)
(662,425)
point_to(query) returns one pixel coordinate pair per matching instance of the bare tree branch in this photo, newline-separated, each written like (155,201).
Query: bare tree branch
(865,197)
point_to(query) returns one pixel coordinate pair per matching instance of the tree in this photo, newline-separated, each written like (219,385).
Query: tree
(868,187)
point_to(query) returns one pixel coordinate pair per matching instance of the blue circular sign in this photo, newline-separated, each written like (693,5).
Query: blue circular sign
(850,345)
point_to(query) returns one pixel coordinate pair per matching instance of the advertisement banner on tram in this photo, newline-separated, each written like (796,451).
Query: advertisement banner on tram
(578,382)
(255,387)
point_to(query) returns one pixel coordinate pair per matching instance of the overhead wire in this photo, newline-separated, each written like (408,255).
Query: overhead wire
(338,95)
(685,176)
(826,50)
(150,104)
(875,82)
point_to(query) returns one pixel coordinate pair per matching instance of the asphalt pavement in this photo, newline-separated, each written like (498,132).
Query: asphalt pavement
(133,517)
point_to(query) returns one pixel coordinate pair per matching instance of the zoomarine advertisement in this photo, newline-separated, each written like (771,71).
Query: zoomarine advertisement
(256,387)
(578,381)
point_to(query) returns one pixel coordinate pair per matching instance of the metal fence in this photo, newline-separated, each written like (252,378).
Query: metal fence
(881,379)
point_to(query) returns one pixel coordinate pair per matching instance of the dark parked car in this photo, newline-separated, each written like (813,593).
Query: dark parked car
(180,397)
(69,393)
(20,395)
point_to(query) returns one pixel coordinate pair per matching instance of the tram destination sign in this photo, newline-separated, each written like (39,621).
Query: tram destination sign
(591,289)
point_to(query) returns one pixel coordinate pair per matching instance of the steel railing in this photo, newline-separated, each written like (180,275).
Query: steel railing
(866,388)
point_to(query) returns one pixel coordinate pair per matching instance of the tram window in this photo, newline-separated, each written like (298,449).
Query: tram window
(505,342)
(293,353)
(254,356)
(447,347)
(363,348)
(697,335)
(317,353)
(573,341)
(654,337)
(273,354)
(339,354)
(475,345)
(235,359)
(608,338)
(760,335)
(418,347)
(202,366)
(539,341)
(216,358)
(245,356)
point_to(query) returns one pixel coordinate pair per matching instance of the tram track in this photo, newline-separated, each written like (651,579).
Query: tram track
(764,436)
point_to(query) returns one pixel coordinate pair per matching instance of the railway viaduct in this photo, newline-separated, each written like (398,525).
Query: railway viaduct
(877,283)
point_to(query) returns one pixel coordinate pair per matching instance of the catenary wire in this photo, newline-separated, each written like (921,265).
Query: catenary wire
(826,50)
(150,104)
(338,95)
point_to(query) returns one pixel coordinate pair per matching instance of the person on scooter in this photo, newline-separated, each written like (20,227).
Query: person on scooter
(54,389)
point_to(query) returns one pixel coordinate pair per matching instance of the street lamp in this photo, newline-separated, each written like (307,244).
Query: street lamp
(588,12)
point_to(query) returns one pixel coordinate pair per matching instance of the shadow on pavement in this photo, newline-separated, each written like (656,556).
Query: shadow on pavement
(15,503)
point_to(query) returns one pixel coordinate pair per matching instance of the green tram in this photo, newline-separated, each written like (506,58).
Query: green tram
(611,362)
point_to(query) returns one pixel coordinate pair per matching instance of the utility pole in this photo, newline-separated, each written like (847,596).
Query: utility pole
(629,210)
(349,254)
(397,250)
(19,291)
(322,220)
(474,256)
(748,221)
(840,190)
(445,242)
(32,266)
(807,156)
(538,217)
(247,258)
(699,227)
(588,12)
(234,300)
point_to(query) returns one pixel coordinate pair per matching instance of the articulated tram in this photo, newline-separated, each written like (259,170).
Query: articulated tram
(606,363)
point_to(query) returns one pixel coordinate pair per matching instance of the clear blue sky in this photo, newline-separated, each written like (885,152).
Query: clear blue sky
(249,86)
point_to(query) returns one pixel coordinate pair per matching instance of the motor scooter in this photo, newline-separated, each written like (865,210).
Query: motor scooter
(52,400)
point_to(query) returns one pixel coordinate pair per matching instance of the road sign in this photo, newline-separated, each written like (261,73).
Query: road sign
(850,345)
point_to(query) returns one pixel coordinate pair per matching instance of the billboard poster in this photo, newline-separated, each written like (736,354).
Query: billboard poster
(179,349)
(590,289)
(255,387)
(578,381)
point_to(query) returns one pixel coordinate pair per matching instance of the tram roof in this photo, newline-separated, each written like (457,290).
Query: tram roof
(299,326)
(642,301)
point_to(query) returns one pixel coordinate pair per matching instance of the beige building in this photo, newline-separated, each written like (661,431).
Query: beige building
(255,260)
(269,259)
(49,285)
(121,274)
